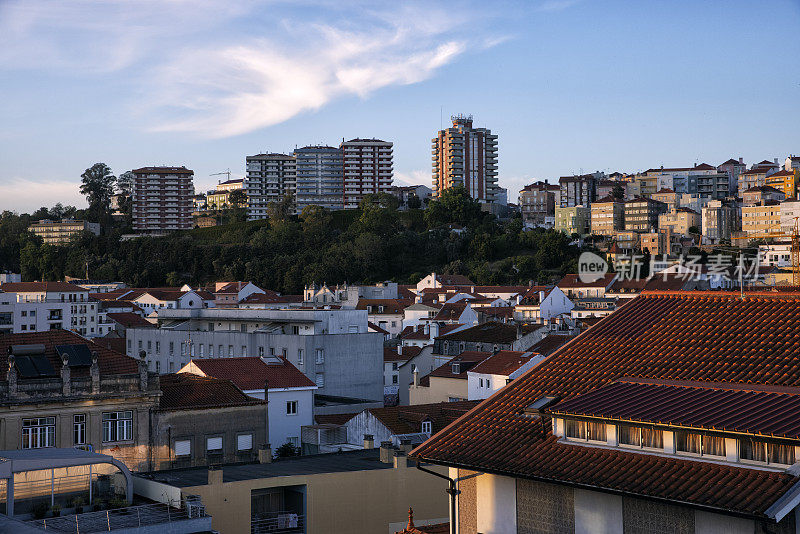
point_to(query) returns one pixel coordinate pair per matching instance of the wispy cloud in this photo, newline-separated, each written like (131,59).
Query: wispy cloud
(217,69)
(30,195)
(415,177)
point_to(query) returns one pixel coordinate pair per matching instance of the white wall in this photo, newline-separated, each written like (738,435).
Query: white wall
(708,523)
(281,425)
(497,504)
(597,513)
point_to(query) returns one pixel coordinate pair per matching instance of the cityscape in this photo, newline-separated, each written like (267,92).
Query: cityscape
(313,340)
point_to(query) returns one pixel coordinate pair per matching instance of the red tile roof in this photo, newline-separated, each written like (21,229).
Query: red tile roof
(249,373)
(185,391)
(467,360)
(572,280)
(698,336)
(503,363)
(376,328)
(725,407)
(548,344)
(491,332)
(109,361)
(451,311)
(408,419)
(390,306)
(130,320)
(390,354)
(39,287)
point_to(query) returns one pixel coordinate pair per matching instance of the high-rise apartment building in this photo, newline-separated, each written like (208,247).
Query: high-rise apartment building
(467,156)
(162,199)
(367,169)
(270,177)
(319,177)
(579,190)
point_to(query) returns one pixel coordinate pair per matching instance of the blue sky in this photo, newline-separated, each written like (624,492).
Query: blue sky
(568,85)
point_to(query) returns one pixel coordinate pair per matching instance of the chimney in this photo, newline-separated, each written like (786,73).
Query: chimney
(416,377)
(265,454)
(541,296)
(369,441)
(399,349)
(741,160)
(66,388)
(775,160)
(143,375)
(427,329)
(400,460)
(434,330)
(94,372)
(405,445)
(214,476)
(386,452)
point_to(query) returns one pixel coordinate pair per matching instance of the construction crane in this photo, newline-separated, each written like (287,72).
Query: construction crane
(794,238)
(227,173)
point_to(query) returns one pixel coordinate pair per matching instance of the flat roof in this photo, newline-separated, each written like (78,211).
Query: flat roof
(338,462)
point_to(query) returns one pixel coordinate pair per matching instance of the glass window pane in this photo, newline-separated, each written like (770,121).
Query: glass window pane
(575,429)
(596,431)
(714,445)
(652,438)
(629,435)
(688,442)
(781,454)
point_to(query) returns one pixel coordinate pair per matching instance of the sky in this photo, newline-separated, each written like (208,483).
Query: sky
(567,85)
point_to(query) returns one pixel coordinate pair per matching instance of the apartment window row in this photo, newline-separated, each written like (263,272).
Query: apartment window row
(40,432)
(684,442)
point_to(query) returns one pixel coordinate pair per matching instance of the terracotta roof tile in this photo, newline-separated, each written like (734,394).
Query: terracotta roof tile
(503,363)
(491,332)
(390,354)
(466,361)
(184,391)
(250,372)
(696,336)
(408,419)
(572,280)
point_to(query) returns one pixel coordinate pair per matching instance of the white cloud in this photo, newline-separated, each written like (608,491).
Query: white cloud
(30,195)
(220,92)
(416,177)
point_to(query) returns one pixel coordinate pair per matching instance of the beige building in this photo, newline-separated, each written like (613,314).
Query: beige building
(63,231)
(63,391)
(680,220)
(573,220)
(761,218)
(667,196)
(657,243)
(607,216)
(465,156)
(367,490)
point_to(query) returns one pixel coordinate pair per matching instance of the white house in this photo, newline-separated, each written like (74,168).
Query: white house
(543,305)
(290,392)
(386,313)
(418,313)
(40,306)
(493,373)
(151,300)
(230,294)
(440,280)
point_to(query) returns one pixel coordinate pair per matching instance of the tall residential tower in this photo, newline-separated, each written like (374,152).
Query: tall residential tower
(270,177)
(463,155)
(319,177)
(162,199)
(367,169)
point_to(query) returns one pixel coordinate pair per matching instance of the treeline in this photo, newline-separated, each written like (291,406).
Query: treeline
(375,243)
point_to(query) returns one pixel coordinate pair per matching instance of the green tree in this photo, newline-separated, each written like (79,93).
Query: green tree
(97,185)
(124,184)
(454,205)
(618,192)
(281,210)
(237,198)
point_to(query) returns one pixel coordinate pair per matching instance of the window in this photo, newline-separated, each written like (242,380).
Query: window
(394,379)
(291,407)
(596,431)
(575,429)
(244,442)
(230,351)
(714,445)
(652,438)
(214,445)
(183,448)
(38,432)
(117,426)
(480,382)
(780,454)
(320,380)
(244,350)
(629,435)
(260,352)
(210,351)
(426,427)
(284,352)
(221,352)
(272,351)
(688,442)
(320,355)
(300,356)
(158,366)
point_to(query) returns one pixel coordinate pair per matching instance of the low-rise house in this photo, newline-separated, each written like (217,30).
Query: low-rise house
(573,219)
(393,359)
(487,337)
(542,304)
(419,365)
(537,202)
(761,194)
(386,313)
(680,221)
(42,306)
(460,312)
(418,313)
(434,280)
(448,382)
(784,181)
(496,371)
(202,420)
(574,287)
(60,390)
(593,307)
(230,294)
(290,392)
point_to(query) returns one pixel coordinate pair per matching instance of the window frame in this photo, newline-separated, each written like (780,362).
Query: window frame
(291,408)
(111,426)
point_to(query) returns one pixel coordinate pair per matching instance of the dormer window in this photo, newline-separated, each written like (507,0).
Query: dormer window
(694,443)
(426,427)
(455,368)
(586,431)
(634,436)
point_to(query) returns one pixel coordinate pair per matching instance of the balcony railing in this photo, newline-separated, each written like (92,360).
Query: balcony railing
(120,518)
(278,523)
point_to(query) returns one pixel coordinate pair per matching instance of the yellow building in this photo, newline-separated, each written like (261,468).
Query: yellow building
(367,490)
(63,231)
(761,218)
(607,216)
(573,220)
(785,181)
(680,220)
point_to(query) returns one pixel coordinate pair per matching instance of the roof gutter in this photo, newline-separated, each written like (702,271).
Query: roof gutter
(451,491)
(785,510)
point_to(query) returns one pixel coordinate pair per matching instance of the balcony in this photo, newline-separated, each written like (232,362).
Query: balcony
(155,518)
(278,523)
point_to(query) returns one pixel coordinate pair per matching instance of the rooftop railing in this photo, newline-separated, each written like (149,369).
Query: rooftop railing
(120,518)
